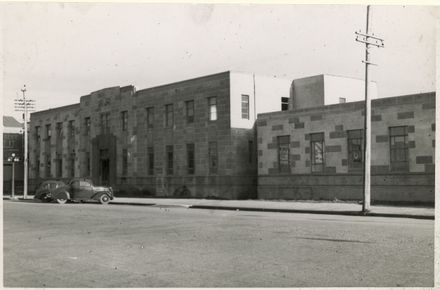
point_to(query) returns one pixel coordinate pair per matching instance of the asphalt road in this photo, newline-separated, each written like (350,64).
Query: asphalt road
(90,245)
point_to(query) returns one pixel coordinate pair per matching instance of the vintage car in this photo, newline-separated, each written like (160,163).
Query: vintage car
(77,189)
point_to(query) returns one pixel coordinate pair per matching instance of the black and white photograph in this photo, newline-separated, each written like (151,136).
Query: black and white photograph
(218,145)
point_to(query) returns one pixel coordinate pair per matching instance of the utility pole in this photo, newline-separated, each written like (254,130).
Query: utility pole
(369,40)
(25,105)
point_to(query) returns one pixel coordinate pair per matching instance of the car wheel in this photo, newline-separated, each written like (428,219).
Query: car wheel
(104,199)
(61,200)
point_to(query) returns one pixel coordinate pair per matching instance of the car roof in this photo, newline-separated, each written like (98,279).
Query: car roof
(53,181)
(80,179)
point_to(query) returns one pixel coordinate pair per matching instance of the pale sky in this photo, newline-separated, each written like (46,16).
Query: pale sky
(64,51)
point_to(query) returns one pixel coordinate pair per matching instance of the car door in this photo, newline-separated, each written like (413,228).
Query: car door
(75,190)
(85,190)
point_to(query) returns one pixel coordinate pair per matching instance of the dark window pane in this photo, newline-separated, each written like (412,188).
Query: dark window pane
(283,154)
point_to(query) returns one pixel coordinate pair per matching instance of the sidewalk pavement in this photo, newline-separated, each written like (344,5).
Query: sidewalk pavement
(312,207)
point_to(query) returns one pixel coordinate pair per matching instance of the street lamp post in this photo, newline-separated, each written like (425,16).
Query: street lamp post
(13,159)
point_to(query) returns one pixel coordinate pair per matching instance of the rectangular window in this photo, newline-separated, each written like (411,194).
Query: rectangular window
(87,125)
(48,166)
(150,117)
(169,115)
(59,130)
(37,168)
(317,152)
(170,159)
(71,129)
(245,107)
(48,132)
(284,104)
(105,123)
(213,157)
(72,165)
(38,134)
(189,112)
(212,104)
(150,151)
(124,161)
(59,165)
(355,145)
(124,120)
(399,148)
(283,154)
(250,151)
(190,157)
(87,163)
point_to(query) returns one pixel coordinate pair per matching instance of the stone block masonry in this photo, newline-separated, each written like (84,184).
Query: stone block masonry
(170,140)
(330,167)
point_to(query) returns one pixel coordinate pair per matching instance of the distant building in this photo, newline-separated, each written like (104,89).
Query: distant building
(317,152)
(12,144)
(323,90)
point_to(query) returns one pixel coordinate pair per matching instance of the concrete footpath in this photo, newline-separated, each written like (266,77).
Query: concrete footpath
(338,208)
(312,207)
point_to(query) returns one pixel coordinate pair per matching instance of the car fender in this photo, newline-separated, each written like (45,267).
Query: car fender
(64,194)
(96,195)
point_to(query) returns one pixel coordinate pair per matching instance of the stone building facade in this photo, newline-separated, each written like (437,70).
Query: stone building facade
(316,153)
(201,138)
(191,138)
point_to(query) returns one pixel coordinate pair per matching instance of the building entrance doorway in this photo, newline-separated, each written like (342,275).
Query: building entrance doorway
(103,160)
(104,167)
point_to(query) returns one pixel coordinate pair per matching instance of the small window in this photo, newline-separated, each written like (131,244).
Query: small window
(399,148)
(283,154)
(150,117)
(150,151)
(190,155)
(250,151)
(170,159)
(169,115)
(212,104)
(48,132)
(124,120)
(284,104)
(124,161)
(87,125)
(48,166)
(105,123)
(59,165)
(59,130)
(38,134)
(317,152)
(72,164)
(213,157)
(189,112)
(87,163)
(355,152)
(71,129)
(245,107)
(37,168)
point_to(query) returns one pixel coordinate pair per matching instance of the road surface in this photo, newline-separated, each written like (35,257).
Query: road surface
(91,245)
